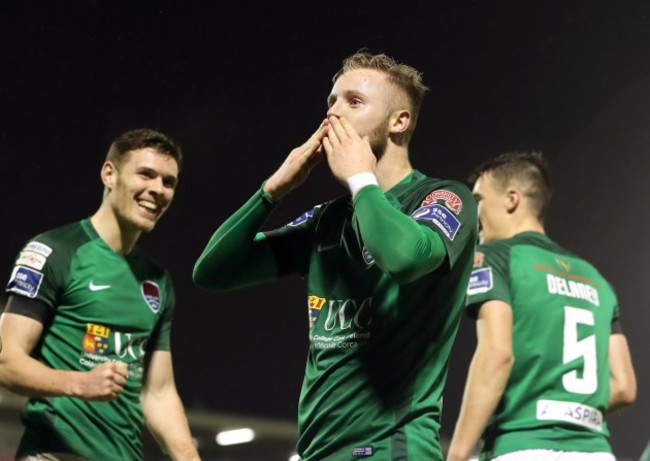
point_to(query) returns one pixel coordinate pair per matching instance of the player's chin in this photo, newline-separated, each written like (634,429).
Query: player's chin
(147,224)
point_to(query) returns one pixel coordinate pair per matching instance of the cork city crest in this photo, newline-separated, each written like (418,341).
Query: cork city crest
(151,294)
(447,197)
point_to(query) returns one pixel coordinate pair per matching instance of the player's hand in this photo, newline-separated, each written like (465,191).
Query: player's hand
(347,152)
(102,383)
(297,166)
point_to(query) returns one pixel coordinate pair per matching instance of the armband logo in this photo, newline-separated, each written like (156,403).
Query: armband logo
(151,294)
(480,281)
(441,217)
(448,198)
(25,281)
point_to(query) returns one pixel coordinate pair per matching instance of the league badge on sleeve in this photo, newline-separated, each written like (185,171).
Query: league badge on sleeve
(302,218)
(441,217)
(480,281)
(25,281)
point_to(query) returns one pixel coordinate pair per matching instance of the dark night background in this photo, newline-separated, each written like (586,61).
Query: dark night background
(238,85)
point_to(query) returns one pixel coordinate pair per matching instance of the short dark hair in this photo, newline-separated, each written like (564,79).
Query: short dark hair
(405,77)
(142,138)
(530,168)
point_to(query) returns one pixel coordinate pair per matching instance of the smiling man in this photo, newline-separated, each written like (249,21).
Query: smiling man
(87,324)
(386,265)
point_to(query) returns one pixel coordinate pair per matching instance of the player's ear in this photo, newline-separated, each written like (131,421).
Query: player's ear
(399,121)
(108,174)
(513,199)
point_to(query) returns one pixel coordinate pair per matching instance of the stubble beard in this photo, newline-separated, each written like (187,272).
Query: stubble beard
(378,138)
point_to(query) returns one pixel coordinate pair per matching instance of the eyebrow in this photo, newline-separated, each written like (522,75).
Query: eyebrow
(346,94)
(169,177)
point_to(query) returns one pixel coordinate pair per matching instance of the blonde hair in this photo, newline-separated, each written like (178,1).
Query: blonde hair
(405,77)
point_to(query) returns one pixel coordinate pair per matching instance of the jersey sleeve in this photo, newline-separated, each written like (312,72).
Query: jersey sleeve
(616,316)
(239,254)
(40,271)
(450,210)
(489,280)
(28,307)
(291,244)
(413,239)
(235,255)
(399,246)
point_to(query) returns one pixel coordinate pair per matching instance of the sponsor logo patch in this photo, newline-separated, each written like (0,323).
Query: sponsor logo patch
(302,218)
(151,294)
(39,247)
(314,304)
(25,281)
(441,217)
(448,198)
(362,452)
(31,259)
(480,281)
(571,412)
(95,340)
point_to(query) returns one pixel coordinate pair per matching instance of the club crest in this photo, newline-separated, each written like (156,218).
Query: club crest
(448,198)
(151,294)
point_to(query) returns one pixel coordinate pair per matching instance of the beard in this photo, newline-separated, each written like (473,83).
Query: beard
(378,138)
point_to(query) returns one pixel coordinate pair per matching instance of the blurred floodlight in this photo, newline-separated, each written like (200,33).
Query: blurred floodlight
(235,436)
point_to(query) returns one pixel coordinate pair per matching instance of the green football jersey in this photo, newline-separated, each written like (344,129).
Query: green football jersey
(379,350)
(105,307)
(557,393)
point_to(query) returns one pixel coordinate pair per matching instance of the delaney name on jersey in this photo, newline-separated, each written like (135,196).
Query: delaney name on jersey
(560,286)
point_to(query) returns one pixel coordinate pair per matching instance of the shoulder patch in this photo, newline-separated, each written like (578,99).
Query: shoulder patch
(31,259)
(39,247)
(25,281)
(448,198)
(302,218)
(480,281)
(441,217)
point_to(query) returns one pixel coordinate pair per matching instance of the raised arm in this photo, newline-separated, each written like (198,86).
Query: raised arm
(237,255)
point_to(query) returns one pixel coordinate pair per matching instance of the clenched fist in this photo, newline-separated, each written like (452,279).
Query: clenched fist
(103,383)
